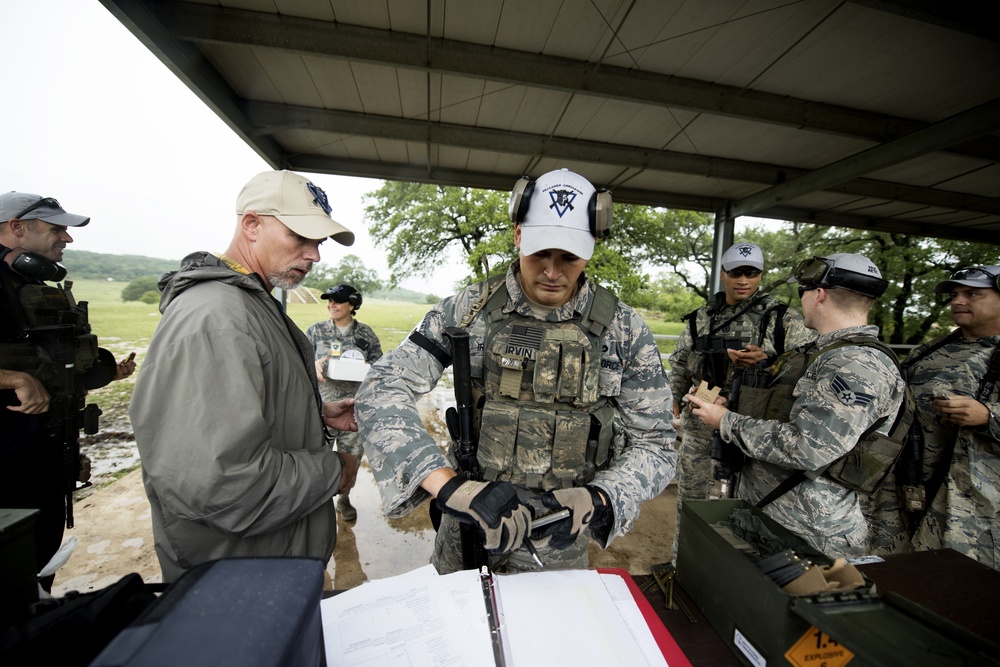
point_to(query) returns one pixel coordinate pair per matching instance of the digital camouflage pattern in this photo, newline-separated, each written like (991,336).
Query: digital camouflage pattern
(843,393)
(402,453)
(695,467)
(328,341)
(965,514)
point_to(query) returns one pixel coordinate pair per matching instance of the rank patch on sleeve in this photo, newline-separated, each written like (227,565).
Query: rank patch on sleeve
(848,396)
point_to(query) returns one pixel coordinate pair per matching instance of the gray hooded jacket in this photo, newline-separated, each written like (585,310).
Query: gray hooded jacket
(228,424)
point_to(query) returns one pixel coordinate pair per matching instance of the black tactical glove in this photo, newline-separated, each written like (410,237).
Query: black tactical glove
(586,509)
(493,506)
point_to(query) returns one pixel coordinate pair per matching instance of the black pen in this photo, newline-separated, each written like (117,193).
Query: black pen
(533,551)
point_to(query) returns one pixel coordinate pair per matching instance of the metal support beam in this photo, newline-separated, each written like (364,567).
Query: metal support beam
(978,121)
(269,115)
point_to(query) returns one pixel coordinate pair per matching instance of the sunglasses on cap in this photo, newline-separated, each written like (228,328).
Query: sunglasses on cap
(975,273)
(744,272)
(44,201)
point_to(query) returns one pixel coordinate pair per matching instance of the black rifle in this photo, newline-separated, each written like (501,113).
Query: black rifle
(68,411)
(715,358)
(728,457)
(464,444)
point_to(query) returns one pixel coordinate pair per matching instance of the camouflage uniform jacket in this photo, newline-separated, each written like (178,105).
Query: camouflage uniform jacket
(358,337)
(842,394)
(402,453)
(965,514)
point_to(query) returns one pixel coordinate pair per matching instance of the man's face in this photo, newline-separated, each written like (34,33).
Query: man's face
(285,258)
(740,283)
(976,310)
(45,239)
(549,277)
(339,312)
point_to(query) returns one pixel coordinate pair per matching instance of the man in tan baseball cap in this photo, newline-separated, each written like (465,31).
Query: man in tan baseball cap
(226,412)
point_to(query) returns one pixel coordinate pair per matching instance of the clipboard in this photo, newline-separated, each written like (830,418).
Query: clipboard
(669,648)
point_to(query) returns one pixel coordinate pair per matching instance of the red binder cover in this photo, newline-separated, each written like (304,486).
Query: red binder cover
(671,651)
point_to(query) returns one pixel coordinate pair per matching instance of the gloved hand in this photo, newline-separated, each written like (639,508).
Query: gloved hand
(586,507)
(493,506)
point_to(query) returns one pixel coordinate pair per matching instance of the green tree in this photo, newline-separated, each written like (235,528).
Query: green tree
(139,286)
(351,270)
(419,223)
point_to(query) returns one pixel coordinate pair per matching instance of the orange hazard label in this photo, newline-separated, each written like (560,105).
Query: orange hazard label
(817,649)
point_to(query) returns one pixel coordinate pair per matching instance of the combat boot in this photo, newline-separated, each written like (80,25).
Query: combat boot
(345,508)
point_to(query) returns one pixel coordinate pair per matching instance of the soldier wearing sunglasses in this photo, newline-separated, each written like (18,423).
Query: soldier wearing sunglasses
(954,379)
(735,329)
(848,388)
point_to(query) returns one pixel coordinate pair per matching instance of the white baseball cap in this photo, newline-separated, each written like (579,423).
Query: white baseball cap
(743,254)
(558,215)
(296,201)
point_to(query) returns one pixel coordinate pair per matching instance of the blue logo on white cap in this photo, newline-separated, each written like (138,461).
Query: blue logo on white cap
(562,201)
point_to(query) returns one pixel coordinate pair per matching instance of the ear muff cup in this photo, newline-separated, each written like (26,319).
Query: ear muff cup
(520,197)
(599,209)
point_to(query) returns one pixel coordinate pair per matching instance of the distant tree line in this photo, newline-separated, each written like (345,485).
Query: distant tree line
(85,265)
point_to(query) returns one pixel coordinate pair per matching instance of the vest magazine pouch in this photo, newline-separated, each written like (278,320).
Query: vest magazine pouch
(602,434)
(497,437)
(568,457)
(866,467)
(546,379)
(42,304)
(570,375)
(766,403)
(536,431)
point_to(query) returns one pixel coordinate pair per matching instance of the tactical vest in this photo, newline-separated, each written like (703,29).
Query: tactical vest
(56,347)
(713,363)
(543,424)
(765,392)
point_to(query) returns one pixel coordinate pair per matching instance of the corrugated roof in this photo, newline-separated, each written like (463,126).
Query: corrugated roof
(872,114)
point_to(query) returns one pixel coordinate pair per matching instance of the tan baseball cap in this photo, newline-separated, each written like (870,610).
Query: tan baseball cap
(296,201)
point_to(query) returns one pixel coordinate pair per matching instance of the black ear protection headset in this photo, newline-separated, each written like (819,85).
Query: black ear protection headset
(599,208)
(32,265)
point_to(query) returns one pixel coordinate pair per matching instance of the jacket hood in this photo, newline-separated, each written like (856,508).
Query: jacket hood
(199,267)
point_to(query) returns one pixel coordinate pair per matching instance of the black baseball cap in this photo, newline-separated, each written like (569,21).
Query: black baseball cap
(343,294)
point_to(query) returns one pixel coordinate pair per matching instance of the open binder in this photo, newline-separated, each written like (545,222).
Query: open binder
(477,618)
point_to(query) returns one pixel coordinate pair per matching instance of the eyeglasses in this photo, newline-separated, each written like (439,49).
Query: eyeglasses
(744,272)
(44,201)
(811,270)
(806,288)
(975,273)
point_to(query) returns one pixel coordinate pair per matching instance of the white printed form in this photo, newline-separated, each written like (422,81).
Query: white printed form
(417,619)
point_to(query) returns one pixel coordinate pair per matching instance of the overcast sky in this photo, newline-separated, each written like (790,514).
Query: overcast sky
(92,118)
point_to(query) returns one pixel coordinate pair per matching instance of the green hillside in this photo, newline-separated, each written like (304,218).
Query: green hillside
(84,265)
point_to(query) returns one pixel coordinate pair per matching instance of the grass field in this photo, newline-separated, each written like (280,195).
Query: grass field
(124,327)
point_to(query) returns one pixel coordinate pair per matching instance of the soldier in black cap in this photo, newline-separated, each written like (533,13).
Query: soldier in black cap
(341,344)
